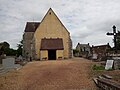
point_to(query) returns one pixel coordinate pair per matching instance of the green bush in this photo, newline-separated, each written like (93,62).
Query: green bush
(98,67)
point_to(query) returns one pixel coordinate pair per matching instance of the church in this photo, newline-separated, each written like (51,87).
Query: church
(47,40)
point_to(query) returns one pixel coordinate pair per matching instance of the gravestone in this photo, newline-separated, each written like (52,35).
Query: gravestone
(109,64)
(116,62)
(94,57)
(9,63)
(20,58)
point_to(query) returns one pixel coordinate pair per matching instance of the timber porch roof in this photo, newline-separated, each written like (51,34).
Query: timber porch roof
(52,44)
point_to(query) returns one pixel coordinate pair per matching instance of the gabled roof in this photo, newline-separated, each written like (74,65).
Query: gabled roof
(83,45)
(52,44)
(31,26)
(101,46)
(50,11)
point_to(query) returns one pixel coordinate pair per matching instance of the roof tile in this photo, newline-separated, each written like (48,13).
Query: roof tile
(52,44)
(31,26)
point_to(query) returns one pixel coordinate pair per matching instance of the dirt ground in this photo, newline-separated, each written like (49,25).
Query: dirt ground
(70,74)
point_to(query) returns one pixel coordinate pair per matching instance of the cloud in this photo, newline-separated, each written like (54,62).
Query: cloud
(88,21)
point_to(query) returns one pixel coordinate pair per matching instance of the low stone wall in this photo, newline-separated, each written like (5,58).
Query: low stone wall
(105,84)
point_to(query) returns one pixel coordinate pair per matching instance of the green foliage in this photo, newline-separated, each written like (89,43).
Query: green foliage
(98,67)
(19,51)
(20,47)
(5,45)
(6,49)
(75,51)
(12,52)
(118,41)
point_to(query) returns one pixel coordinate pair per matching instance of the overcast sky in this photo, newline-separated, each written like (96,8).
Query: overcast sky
(86,20)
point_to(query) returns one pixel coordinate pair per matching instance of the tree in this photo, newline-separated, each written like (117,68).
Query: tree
(118,40)
(7,50)
(20,47)
(10,52)
(75,51)
(5,45)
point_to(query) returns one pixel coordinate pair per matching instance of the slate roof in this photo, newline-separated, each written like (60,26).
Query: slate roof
(31,26)
(83,45)
(52,44)
(100,48)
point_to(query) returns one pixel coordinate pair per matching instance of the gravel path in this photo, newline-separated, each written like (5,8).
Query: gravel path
(51,75)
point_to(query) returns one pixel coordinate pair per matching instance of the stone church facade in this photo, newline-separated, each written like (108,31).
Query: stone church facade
(48,39)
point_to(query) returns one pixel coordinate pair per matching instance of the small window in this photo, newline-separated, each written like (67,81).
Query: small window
(50,13)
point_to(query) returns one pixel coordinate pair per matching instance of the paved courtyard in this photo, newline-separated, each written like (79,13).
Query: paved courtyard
(70,74)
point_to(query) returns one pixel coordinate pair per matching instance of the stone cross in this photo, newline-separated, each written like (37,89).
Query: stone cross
(115,37)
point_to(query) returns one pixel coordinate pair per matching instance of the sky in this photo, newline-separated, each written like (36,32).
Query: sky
(88,21)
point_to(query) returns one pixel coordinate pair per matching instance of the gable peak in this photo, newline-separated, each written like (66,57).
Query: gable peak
(50,10)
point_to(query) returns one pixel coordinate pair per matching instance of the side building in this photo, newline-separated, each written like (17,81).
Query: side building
(28,37)
(100,52)
(84,50)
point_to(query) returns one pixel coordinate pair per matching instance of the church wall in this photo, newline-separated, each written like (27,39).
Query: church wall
(27,40)
(59,54)
(51,27)
(43,54)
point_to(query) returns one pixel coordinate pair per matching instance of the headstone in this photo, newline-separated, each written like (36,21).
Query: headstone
(116,62)
(9,63)
(20,58)
(109,64)
(94,56)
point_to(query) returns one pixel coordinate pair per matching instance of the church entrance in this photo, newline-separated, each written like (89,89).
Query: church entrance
(51,54)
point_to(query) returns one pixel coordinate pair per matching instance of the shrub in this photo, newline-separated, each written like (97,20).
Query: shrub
(98,67)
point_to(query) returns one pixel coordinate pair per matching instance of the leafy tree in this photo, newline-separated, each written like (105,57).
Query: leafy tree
(10,52)
(20,47)
(6,45)
(75,51)
(7,50)
(118,40)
